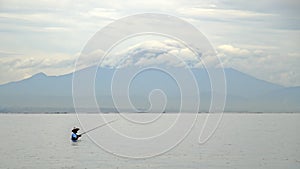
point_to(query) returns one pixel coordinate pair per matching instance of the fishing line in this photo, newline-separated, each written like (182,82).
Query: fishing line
(102,125)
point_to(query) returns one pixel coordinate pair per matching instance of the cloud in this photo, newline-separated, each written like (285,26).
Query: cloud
(22,66)
(271,6)
(46,36)
(263,62)
(102,13)
(8,54)
(151,53)
(231,50)
(221,13)
(84,60)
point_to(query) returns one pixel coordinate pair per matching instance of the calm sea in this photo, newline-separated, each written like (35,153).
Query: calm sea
(240,141)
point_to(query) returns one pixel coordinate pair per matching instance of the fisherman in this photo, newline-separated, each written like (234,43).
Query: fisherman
(75,136)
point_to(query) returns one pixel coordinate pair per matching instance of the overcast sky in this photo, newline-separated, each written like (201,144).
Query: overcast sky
(260,38)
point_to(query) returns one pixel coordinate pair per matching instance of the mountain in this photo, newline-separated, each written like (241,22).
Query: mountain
(42,93)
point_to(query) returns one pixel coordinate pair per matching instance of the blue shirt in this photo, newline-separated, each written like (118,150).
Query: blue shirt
(74,137)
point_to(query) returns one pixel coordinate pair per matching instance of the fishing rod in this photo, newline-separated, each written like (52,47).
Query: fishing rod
(102,125)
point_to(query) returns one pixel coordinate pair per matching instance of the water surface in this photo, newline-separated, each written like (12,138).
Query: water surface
(241,141)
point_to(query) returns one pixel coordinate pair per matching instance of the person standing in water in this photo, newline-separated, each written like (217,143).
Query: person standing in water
(75,136)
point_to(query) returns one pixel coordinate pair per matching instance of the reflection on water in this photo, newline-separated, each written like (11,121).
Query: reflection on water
(75,143)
